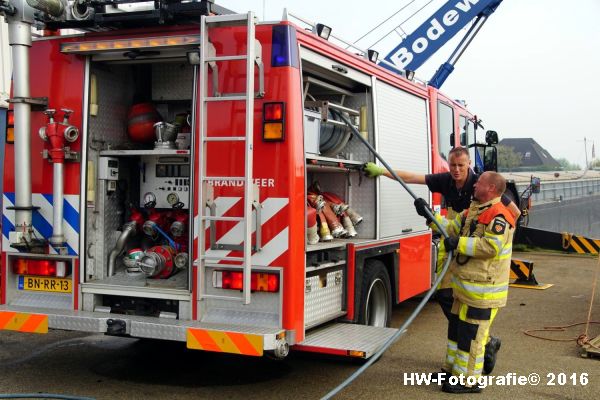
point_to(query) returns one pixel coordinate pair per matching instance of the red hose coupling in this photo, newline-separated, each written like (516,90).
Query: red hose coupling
(57,134)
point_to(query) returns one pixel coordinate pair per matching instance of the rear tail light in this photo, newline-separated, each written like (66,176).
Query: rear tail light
(259,281)
(22,266)
(10,126)
(273,122)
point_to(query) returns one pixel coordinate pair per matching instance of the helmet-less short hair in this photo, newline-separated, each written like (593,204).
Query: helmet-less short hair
(497,180)
(459,151)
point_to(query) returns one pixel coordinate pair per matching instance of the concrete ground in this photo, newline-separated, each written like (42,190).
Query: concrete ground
(119,368)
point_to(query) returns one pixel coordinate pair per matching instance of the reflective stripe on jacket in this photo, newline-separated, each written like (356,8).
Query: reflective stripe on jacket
(481,266)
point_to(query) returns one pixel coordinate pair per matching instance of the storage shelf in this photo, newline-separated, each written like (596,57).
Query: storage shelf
(335,243)
(325,265)
(148,152)
(326,164)
(122,284)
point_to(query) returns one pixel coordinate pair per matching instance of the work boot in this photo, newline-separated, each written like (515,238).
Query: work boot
(458,388)
(491,351)
(441,373)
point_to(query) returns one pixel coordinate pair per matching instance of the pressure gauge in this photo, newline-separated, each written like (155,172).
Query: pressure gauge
(172,199)
(149,199)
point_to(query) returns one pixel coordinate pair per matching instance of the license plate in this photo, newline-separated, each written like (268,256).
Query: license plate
(44,284)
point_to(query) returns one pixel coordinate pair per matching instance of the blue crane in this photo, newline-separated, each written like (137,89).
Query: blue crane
(447,21)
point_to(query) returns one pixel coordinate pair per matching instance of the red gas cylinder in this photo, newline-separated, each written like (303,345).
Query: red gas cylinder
(140,122)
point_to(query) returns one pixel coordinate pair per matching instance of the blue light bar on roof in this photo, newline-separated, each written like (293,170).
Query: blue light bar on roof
(284,52)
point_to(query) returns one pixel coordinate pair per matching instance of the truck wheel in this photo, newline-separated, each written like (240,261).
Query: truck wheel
(376,295)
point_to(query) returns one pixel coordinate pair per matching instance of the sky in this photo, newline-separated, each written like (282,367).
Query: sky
(532,71)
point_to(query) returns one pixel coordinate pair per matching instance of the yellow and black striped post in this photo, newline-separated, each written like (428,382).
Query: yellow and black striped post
(580,244)
(561,241)
(521,275)
(521,272)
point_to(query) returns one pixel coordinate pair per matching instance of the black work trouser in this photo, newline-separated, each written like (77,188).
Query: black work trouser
(445,299)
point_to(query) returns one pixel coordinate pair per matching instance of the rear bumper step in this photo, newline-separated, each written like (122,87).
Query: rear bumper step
(343,339)
(226,338)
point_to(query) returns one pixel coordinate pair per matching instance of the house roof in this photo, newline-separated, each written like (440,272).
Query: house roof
(532,154)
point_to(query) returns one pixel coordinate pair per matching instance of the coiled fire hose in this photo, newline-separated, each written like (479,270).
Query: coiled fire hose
(420,306)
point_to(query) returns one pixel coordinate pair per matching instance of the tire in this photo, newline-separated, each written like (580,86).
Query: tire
(376,295)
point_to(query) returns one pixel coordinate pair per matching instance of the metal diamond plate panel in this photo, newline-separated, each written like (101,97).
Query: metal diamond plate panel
(362,200)
(89,302)
(354,147)
(59,301)
(120,278)
(185,310)
(323,297)
(115,94)
(264,309)
(102,230)
(349,337)
(172,81)
(107,128)
(149,327)
(93,243)
(331,182)
(158,331)
(241,317)
(77,323)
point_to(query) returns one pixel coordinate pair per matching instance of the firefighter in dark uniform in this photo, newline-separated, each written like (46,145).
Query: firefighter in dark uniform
(482,240)
(456,186)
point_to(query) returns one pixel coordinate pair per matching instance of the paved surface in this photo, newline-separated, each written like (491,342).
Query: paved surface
(119,368)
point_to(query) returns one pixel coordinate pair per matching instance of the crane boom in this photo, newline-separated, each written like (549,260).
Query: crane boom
(443,25)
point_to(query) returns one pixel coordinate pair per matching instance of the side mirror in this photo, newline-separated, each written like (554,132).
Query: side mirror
(535,184)
(491,137)
(490,159)
(451,140)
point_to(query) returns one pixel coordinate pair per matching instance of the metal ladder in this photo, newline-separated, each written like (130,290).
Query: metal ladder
(208,59)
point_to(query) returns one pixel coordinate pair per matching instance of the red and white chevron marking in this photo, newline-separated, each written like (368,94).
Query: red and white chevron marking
(275,235)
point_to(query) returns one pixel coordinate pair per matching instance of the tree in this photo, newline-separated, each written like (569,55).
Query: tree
(567,166)
(507,158)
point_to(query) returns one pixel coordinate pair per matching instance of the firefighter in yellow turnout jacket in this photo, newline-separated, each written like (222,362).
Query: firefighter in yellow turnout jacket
(481,238)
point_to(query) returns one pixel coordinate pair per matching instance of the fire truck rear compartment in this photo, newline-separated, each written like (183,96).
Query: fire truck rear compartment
(334,159)
(383,115)
(147,181)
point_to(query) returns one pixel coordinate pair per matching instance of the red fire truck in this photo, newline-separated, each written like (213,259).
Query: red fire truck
(157,183)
